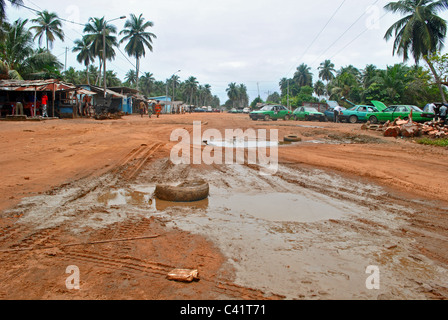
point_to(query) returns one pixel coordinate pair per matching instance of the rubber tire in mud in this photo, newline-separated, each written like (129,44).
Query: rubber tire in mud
(292,138)
(286,118)
(185,192)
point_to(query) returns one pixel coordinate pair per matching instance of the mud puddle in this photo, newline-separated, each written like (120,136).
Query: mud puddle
(241,143)
(301,234)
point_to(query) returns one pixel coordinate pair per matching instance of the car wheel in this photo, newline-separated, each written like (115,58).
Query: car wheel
(286,118)
(267,118)
(353,119)
(373,120)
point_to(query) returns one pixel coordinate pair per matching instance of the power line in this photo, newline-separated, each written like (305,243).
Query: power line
(354,39)
(319,34)
(351,26)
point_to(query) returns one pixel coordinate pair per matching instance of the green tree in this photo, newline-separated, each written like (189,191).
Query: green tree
(15,3)
(421,33)
(137,39)
(94,35)
(17,45)
(146,83)
(49,26)
(85,54)
(191,87)
(233,93)
(326,70)
(319,88)
(131,78)
(303,76)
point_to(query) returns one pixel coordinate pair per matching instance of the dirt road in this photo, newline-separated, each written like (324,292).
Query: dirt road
(79,192)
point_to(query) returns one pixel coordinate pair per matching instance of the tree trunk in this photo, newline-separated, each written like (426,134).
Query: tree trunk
(138,70)
(436,76)
(88,78)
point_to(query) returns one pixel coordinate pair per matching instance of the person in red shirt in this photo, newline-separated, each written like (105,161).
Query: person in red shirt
(158,108)
(44,105)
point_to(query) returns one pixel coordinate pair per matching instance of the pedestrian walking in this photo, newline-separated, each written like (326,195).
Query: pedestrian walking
(158,108)
(142,108)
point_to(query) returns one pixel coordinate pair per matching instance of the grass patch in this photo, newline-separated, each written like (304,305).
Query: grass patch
(434,142)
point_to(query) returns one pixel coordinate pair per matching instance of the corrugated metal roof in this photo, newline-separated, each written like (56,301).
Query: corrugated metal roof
(35,85)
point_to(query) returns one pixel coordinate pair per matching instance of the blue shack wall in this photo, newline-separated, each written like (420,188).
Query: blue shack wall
(167,108)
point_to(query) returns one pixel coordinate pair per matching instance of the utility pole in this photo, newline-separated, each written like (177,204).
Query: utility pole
(289,107)
(258,87)
(66,50)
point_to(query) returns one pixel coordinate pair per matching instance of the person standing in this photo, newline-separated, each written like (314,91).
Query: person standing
(44,103)
(437,111)
(142,108)
(337,111)
(19,107)
(158,108)
(443,112)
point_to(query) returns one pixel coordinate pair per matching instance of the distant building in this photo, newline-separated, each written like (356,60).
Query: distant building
(164,100)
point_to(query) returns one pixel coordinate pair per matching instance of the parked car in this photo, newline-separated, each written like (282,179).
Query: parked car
(271,112)
(246,110)
(329,114)
(357,113)
(198,110)
(308,114)
(403,111)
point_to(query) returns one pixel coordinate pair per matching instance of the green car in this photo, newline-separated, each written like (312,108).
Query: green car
(357,113)
(308,114)
(271,112)
(393,112)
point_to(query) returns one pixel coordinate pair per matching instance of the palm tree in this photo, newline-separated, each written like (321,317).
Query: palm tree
(243,97)
(131,77)
(233,92)
(41,64)
(48,25)
(319,88)
(174,82)
(146,82)
(85,54)
(327,70)
(303,76)
(17,45)
(191,86)
(94,30)
(420,33)
(15,3)
(137,39)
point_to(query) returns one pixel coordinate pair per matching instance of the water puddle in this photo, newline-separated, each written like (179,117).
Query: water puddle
(281,207)
(275,207)
(144,198)
(241,143)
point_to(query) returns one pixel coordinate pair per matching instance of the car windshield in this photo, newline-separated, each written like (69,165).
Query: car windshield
(351,109)
(311,110)
(416,109)
(267,108)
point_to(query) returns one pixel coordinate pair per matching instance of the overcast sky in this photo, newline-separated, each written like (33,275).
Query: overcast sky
(255,42)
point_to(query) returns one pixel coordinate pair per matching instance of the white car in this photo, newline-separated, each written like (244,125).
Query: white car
(246,110)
